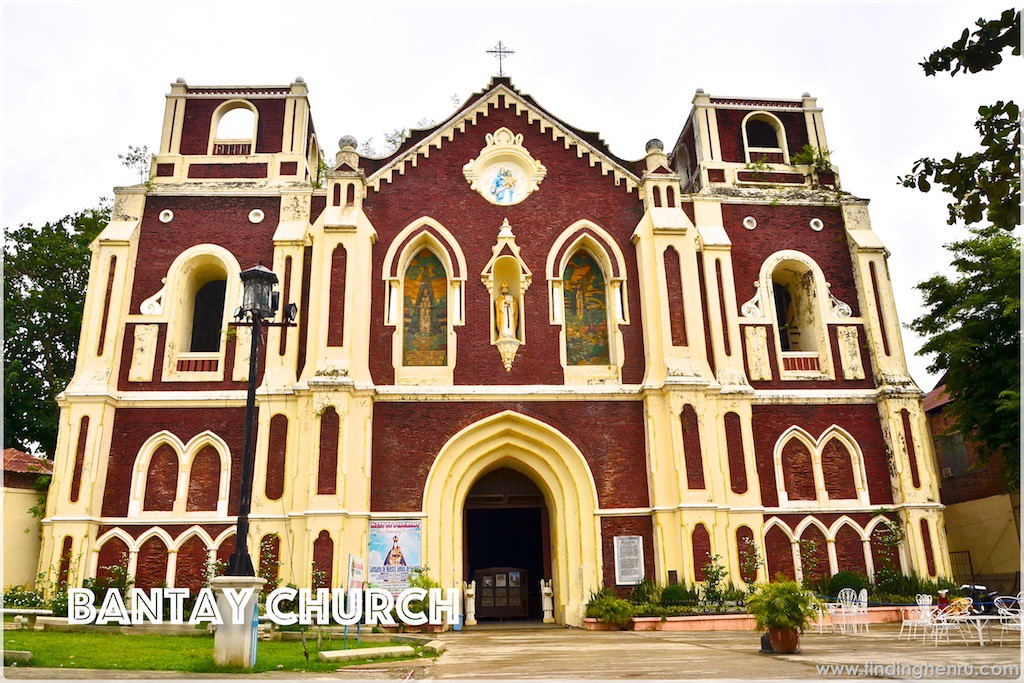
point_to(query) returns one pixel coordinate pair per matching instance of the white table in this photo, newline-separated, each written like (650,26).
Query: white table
(979,622)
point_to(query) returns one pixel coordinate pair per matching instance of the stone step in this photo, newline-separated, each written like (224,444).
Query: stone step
(364,652)
(17,657)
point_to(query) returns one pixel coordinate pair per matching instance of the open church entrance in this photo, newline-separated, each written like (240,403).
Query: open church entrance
(507,545)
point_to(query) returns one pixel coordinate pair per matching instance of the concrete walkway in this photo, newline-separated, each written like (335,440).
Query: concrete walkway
(575,654)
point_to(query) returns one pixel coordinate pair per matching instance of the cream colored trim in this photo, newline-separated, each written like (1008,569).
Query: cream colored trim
(780,133)
(218,114)
(816,447)
(470,114)
(186,453)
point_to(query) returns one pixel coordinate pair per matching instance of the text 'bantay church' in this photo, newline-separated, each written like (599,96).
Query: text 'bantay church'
(519,359)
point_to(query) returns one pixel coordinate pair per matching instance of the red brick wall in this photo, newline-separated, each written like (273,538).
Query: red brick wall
(327,471)
(571,191)
(908,438)
(132,426)
(76,478)
(691,448)
(270,557)
(814,558)
(981,481)
(881,555)
(625,526)
(730,132)
(323,559)
(778,554)
(227,171)
(190,566)
(926,540)
(861,421)
(151,565)
(336,322)
(276,457)
(615,452)
(837,468)
(226,549)
(674,282)
(204,481)
(196,128)
(161,480)
(114,553)
(797,471)
(65,562)
(850,551)
(701,542)
(743,537)
(734,445)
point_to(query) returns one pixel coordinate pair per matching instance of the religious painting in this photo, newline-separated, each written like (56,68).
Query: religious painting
(586,312)
(506,183)
(425,323)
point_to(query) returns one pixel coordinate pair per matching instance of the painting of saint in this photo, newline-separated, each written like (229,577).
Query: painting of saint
(586,312)
(425,319)
(503,187)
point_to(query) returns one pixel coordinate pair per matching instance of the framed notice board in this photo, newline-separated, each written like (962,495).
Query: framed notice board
(502,592)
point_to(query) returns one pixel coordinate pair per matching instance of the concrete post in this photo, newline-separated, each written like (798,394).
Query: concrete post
(235,644)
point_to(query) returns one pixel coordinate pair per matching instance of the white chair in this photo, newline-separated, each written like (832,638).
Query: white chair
(915,618)
(946,619)
(1009,609)
(846,610)
(862,609)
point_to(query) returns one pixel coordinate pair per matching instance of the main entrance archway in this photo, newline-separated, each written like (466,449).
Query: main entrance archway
(541,453)
(506,545)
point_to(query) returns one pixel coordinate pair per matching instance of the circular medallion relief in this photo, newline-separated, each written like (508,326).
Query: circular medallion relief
(817,225)
(504,182)
(749,222)
(166,216)
(256,216)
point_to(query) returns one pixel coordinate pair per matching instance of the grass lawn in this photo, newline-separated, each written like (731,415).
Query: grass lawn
(167,653)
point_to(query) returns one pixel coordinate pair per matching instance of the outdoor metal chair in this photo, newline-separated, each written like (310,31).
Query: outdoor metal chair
(946,619)
(1008,608)
(919,617)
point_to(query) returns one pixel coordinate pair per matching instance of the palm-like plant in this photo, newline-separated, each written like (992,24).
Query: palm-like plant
(782,605)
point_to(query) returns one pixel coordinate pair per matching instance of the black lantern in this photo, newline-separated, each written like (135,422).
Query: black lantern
(258,296)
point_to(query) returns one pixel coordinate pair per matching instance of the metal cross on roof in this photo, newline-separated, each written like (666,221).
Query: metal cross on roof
(500,51)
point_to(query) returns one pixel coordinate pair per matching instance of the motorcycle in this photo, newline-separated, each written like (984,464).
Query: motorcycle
(983,598)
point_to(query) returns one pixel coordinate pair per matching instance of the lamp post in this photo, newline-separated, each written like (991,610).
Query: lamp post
(259,303)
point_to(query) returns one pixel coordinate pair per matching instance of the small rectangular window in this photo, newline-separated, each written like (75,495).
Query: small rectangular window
(952,454)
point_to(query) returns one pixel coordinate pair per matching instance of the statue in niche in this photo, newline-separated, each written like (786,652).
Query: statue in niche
(506,313)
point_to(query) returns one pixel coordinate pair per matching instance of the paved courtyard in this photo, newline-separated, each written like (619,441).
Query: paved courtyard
(557,653)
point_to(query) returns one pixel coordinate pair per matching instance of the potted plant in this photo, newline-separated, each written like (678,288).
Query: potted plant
(784,608)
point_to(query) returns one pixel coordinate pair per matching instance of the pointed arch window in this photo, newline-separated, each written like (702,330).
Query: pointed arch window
(425,311)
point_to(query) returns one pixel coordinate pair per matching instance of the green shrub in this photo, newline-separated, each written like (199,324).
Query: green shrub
(605,606)
(665,611)
(844,579)
(646,592)
(784,604)
(678,594)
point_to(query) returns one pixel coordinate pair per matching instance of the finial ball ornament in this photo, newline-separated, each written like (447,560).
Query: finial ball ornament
(300,79)
(655,145)
(179,80)
(347,141)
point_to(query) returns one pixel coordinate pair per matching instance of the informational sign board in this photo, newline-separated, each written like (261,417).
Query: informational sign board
(395,547)
(356,572)
(629,560)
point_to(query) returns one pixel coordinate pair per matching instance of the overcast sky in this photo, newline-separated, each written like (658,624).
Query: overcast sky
(83,80)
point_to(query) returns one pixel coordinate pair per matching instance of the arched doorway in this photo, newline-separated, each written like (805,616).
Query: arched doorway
(507,545)
(558,469)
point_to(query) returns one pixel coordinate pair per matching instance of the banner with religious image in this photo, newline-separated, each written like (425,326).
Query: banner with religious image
(395,546)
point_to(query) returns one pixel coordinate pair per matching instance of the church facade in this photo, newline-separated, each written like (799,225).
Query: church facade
(518,358)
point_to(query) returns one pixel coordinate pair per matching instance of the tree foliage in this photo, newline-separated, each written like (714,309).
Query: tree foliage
(973,328)
(46,270)
(972,319)
(985,184)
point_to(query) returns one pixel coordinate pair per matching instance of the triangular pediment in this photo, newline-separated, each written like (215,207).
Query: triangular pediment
(500,94)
